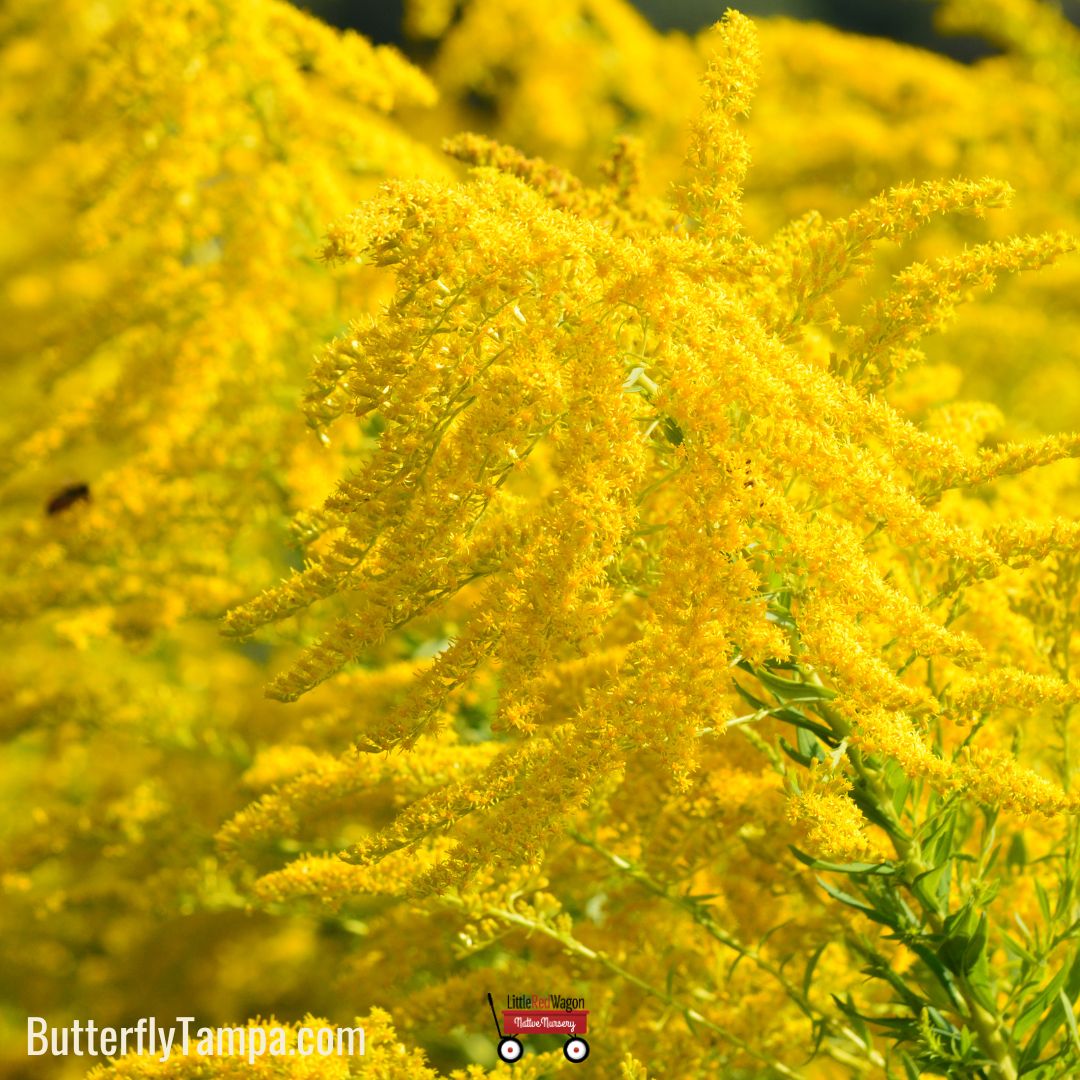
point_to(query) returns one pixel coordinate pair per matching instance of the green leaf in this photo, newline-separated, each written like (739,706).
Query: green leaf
(980,983)
(1014,947)
(781,619)
(875,869)
(1070,1018)
(818,1029)
(691,1024)
(883,917)
(899,784)
(867,804)
(788,715)
(808,744)
(938,970)
(672,431)
(846,898)
(790,690)
(1048,1025)
(811,964)
(932,886)
(992,859)
(977,944)
(794,754)
(750,699)
(938,845)
(965,939)
(1044,902)
(797,719)
(858,1021)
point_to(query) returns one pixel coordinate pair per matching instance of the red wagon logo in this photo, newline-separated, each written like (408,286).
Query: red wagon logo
(571,1023)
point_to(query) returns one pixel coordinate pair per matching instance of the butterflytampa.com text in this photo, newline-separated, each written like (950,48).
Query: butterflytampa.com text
(85,1038)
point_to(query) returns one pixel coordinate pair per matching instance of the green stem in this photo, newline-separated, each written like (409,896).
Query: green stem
(988,1026)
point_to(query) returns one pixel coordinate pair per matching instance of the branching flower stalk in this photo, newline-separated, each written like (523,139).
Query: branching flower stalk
(637,444)
(669,611)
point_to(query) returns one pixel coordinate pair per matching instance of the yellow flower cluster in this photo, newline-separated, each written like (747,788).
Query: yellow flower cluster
(549,394)
(168,168)
(669,612)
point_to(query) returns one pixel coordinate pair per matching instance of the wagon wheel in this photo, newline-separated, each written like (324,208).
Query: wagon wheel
(510,1049)
(575,1049)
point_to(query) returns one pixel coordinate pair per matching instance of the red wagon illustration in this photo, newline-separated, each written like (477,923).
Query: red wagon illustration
(573,1023)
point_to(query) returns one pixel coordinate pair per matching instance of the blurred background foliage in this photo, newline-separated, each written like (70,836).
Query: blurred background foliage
(908,21)
(135,729)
